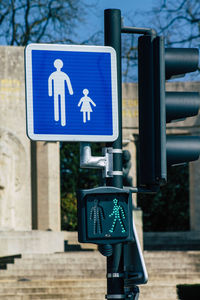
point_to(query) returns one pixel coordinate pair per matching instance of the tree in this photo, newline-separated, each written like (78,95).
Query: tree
(168,210)
(179,21)
(72,176)
(36,21)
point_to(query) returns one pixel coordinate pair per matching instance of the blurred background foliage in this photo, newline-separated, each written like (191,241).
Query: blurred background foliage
(74,178)
(168,210)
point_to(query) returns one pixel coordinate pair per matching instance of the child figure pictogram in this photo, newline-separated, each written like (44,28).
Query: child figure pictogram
(86,106)
(119,214)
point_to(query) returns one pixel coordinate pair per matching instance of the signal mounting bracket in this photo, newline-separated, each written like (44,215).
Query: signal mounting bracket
(97,162)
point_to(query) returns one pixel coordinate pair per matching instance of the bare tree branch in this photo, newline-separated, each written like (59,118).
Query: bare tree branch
(24,21)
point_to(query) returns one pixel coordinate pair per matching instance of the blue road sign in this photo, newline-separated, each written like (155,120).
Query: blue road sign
(71,93)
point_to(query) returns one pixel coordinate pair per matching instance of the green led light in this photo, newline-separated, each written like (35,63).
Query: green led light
(119,214)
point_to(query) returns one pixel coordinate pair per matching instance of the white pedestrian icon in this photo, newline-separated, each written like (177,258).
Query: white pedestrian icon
(86,106)
(56,86)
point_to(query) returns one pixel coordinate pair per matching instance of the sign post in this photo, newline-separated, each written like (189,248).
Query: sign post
(71,93)
(115,267)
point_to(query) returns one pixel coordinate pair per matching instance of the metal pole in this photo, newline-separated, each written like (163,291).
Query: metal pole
(112,33)
(115,268)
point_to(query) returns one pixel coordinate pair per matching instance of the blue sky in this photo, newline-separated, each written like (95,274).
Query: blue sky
(129,9)
(132,12)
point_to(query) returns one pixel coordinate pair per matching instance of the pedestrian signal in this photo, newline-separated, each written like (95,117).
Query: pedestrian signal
(104,216)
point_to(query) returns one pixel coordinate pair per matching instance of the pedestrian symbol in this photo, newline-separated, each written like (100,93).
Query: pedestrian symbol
(97,215)
(71,93)
(118,213)
(56,83)
(86,106)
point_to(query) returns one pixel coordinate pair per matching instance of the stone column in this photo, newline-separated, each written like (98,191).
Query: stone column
(48,185)
(15,184)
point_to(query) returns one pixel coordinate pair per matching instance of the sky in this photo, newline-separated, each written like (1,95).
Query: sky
(131,12)
(95,13)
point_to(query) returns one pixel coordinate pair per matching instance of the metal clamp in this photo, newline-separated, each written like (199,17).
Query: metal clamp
(117,151)
(108,152)
(115,296)
(110,172)
(96,162)
(115,173)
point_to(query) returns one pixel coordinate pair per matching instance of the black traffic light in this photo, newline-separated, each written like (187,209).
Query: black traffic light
(104,216)
(158,107)
(146,112)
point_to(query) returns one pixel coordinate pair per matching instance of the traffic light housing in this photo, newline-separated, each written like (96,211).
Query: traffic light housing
(104,216)
(158,107)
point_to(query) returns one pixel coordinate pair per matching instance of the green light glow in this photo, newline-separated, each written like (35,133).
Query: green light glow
(119,214)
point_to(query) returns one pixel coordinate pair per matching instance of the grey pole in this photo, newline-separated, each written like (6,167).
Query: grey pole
(112,34)
(115,268)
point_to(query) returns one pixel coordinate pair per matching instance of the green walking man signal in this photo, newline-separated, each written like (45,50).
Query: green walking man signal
(118,213)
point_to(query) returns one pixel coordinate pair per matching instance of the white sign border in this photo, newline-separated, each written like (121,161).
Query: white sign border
(29,94)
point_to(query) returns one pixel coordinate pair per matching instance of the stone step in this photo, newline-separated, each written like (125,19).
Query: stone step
(172,266)
(74,260)
(158,291)
(175,270)
(50,276)
(51,297)
(146,292)
(167,254)
(152,260)
(85,253)
(53,290)
(163,260)
(94,255)
(174,277)
(85,270)
(151,263)
(80,296)
(76,283)
(61,255)
(174,258)
(189,240)
(60,266)
(67,273)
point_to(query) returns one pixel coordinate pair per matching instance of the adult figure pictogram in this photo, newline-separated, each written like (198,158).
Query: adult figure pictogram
(86,108)
(56,86)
